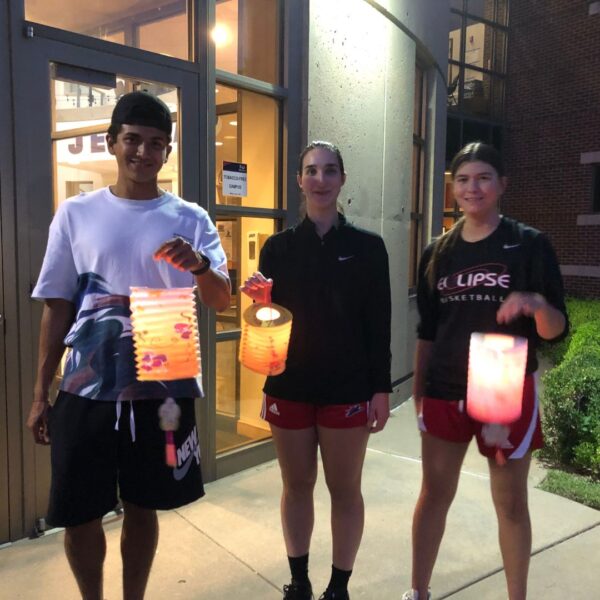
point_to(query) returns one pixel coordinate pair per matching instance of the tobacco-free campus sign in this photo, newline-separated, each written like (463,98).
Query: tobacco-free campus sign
(235,179)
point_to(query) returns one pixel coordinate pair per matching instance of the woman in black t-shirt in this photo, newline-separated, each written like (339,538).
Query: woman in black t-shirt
(487,274)
(334,278)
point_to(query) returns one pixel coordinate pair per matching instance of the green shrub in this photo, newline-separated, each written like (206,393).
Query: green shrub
(571,410)
(580,312)
(587,456)
(576,487)
(585,340)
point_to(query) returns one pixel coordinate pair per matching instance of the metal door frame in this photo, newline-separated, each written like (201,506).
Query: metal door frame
(9,441)
(32,52)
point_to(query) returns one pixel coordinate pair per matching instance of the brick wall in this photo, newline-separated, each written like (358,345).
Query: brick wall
(553,116)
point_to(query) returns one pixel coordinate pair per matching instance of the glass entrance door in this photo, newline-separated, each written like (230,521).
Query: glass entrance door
(67,94)
(80,116)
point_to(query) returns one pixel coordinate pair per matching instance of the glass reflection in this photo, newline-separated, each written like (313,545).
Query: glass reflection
(242,239)
(247,132)
(476,93)
(454,37)
(246,37)
(481,8)
(156,25)
(238,401)
(80,118)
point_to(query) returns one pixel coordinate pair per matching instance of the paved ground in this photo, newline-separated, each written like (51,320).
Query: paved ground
(228,546)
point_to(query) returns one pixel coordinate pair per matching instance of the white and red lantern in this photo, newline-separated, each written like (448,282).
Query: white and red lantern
(266,330)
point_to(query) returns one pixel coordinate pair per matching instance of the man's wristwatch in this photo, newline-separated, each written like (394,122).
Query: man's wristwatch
(205,264)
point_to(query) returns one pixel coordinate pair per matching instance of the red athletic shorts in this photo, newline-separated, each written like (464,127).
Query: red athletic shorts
(289,414)
(449,421)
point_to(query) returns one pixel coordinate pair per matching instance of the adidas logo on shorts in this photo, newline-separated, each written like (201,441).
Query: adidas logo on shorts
(273,409)
(353,410)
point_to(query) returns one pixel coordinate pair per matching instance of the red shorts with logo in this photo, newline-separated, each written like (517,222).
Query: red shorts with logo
(289,414)
(448,420)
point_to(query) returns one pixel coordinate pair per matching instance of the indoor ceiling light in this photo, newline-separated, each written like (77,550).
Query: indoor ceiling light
(220,35)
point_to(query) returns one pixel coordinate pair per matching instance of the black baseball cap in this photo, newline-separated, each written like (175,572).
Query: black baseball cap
(142,108)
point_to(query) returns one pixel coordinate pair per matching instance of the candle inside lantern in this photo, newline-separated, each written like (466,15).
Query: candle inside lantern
(165,333)
(496,377)
(266,330)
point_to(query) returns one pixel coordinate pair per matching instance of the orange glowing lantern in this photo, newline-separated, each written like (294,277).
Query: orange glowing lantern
(165,333)
(266,330)
(496,377)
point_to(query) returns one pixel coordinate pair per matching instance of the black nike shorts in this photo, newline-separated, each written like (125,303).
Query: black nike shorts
(94,463)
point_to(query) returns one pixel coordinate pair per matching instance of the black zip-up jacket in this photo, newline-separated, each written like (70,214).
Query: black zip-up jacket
(338,290)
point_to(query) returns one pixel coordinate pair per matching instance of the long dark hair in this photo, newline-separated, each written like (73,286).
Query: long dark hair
(475,151)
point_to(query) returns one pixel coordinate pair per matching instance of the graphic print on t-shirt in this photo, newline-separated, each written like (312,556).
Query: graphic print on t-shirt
(100,363)
(95,339)
(488,282)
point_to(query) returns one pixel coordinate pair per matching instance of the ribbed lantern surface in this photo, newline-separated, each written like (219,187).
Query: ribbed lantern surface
(266,330)
(165,333)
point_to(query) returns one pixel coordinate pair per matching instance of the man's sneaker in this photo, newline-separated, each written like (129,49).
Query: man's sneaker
(297,591)
(414,595)
(331,595)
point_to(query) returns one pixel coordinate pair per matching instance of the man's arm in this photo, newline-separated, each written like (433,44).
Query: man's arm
(549,321)
(57,319)
(214,287)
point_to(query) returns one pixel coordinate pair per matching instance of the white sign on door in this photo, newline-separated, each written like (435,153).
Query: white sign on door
(235,179)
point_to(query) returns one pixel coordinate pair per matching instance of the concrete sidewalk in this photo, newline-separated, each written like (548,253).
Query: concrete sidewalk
(229,545)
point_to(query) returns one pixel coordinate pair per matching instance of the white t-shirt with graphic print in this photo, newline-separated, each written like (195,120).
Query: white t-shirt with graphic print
(98,246)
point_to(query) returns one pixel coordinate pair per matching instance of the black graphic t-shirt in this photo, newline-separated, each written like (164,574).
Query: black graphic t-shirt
(472,281)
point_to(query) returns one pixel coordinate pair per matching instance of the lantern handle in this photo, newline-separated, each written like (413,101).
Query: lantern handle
(258,287)
(267,292)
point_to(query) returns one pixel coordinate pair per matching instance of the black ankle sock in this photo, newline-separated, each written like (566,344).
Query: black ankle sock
(339,579)
(299,568)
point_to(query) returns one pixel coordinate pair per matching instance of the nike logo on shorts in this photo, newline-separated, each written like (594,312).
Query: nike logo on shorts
(343,258)
(180,472)
(509,246)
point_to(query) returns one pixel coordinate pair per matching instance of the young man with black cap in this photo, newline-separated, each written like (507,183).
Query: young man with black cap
(104,424)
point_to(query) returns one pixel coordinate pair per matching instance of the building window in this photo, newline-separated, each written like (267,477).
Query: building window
(246,37)
(247,134)
(596,189)
(477,57)
(451,210)
(157,25)
(476,71)
(249,137)
(246,34)
(80,117)
(418,175)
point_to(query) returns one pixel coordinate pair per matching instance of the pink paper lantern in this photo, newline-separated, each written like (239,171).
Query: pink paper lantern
(496,377)
(165,333)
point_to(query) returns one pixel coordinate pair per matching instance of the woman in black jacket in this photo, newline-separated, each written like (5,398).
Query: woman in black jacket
(334,278)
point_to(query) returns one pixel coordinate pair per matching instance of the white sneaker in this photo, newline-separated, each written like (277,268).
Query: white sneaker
(413,595)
